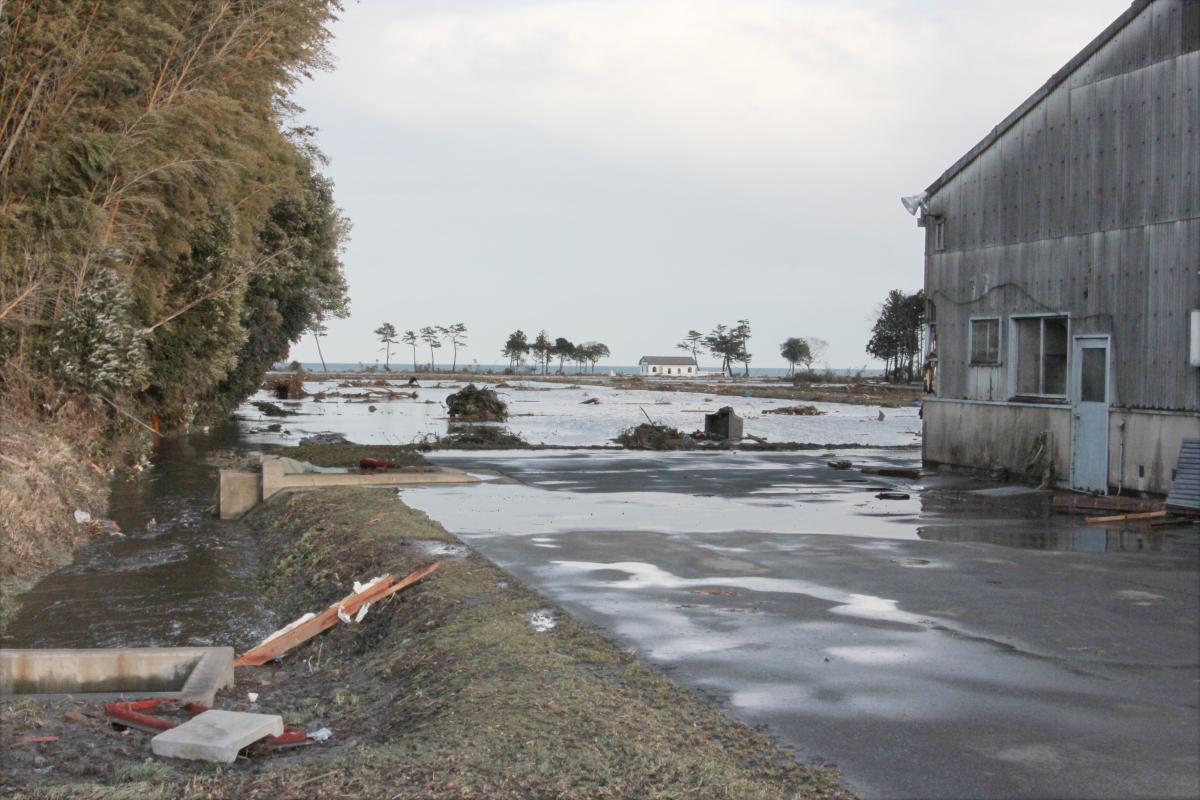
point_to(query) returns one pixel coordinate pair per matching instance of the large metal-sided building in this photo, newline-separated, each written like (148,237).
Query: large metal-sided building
(1062,267)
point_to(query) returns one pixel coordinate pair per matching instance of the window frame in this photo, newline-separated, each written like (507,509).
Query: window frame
(1014,357)
(939,234)
(999,361)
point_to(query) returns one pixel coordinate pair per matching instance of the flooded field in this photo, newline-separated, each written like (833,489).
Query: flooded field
(555,414)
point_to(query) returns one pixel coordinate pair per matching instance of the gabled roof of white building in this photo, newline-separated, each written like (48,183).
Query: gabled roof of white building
(669,361)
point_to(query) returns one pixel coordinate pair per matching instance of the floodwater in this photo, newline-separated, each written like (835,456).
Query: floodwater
(179,576)
(555,414)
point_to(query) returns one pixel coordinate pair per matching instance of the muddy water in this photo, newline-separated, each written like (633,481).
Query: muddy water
(179,577)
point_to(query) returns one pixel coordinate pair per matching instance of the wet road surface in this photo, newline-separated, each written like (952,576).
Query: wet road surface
(956,644)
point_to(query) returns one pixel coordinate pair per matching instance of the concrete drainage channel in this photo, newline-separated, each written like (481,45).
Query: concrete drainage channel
(186,674)
(168,691)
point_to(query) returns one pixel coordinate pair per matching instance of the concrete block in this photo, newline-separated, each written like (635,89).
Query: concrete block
(275,480)
(215,735)
(105,674)
(239,492)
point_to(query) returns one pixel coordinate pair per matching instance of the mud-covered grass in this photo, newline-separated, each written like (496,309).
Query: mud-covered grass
(444,691)
(349,455)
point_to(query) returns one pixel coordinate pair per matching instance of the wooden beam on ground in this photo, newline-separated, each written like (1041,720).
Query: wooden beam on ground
(1147,515)
(274,648)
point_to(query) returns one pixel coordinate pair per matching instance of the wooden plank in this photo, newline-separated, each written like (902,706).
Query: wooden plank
(1146,515)
(349,605)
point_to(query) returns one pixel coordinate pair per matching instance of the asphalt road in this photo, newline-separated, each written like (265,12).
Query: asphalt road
(958,644)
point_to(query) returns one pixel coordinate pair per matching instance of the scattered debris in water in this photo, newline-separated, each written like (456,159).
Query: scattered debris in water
(272,409)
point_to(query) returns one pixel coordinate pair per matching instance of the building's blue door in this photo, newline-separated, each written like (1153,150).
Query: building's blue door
(1089,414)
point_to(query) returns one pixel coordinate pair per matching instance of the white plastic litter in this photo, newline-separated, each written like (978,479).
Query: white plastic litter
(359,588)
(542,620)
(287,628)
(252,696)
(82,516)
(321,735)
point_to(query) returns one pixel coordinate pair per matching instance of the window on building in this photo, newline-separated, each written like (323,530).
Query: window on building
(1041,356)
(985,341)
(1093,375)
(939,234)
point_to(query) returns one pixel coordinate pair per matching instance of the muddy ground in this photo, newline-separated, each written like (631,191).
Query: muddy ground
(445,691)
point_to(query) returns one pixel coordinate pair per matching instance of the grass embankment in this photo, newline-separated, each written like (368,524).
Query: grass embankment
(45,474)
(446,691)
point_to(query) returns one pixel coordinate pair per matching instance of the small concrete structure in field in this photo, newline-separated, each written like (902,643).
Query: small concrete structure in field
(215,735)
(188,674)
(724,424)
(241,491)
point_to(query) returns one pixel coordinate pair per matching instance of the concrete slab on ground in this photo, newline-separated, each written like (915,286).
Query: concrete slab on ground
(215,735)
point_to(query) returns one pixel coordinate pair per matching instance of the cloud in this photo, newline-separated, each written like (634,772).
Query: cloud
(547,151)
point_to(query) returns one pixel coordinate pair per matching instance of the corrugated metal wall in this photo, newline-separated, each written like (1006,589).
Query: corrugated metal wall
(1088,205)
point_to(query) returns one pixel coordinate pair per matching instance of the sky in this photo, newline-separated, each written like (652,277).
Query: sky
(623,171)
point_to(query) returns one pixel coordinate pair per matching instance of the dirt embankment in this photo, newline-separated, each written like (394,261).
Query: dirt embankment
(46,472)
(445,691)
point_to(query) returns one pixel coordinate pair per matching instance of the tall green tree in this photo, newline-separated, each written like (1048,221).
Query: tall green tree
(456,335)
(387,335)
(563,348)
(410,339)
(432,337)
(593,352)
(795,351)
(516,348)
(692,343)
(896,334)
(543,350)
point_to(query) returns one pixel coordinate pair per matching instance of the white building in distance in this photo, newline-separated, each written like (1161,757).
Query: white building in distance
(655,366)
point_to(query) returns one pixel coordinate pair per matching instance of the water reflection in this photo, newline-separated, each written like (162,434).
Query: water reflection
(158,586)
(1051,534)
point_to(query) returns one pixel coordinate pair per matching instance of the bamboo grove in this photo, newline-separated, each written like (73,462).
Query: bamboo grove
(165,231)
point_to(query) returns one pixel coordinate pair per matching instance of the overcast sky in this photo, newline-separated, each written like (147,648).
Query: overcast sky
(624,170)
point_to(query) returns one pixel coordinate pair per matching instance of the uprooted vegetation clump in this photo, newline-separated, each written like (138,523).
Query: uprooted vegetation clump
(652,436)
(286,387)
(475,404)
(796,411)
(467,436)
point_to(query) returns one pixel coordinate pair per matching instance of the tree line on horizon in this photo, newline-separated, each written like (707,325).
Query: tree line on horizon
(433,336)
(544,350)
(895,340)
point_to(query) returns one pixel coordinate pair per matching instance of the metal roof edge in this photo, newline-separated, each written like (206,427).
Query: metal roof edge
(1136,8)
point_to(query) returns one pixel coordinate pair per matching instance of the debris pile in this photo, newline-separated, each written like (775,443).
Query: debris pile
(272,410)
(478,437)
(473,404)
(651,436)
(287,387)
(796,411)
